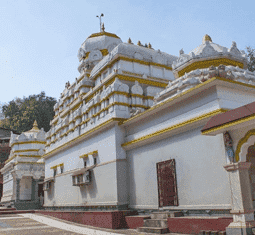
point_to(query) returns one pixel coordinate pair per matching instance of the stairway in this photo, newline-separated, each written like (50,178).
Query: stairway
(158,222)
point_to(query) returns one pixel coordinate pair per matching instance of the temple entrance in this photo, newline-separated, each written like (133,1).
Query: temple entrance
(251,158)
(167,184)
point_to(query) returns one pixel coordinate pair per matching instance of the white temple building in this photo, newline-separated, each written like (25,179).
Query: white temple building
(24,170)
(127,132)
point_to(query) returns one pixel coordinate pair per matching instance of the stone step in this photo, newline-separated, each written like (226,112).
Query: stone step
(159,215)
(153,230)
(155,223)
(165,215)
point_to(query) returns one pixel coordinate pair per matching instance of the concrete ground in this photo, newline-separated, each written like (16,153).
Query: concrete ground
(30,224)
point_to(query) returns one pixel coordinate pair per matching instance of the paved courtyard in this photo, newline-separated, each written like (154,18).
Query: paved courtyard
(19,225)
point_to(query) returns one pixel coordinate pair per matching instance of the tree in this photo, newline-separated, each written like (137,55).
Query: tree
(19,114)
(251,58)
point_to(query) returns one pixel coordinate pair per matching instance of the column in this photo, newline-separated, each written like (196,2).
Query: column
(242,207)
(17,189)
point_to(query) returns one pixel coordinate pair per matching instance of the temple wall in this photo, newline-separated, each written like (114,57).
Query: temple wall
(232,98)
(202,182)
(109,178)
(101,191)
(190,108)
(104,143)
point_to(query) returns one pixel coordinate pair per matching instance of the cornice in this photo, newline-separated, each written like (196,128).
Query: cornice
(144,139)
(206,63)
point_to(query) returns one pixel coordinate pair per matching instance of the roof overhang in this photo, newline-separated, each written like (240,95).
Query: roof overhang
(231,120)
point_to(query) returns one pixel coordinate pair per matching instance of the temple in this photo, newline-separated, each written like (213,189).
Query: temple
(138,131)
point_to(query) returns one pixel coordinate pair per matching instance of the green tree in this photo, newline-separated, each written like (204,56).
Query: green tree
(19,114)
(251,58)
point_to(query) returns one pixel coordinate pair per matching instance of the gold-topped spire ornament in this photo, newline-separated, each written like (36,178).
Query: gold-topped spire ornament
(207,38)
(149,46)
(35,126)
(129,41)
(139,43)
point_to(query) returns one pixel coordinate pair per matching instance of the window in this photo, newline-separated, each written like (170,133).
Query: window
(74,180)
(84,163)
(95,160)
(54,172)
(61,169)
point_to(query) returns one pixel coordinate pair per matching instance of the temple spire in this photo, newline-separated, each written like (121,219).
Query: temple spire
(35,126)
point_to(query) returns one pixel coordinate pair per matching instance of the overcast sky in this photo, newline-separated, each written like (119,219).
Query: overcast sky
(40,38)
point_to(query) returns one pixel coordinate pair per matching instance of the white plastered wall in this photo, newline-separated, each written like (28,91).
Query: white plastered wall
(202,181)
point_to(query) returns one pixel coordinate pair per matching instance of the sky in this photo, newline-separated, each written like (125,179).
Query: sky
(39,39)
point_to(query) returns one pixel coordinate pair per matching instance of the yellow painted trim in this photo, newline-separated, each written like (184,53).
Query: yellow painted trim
(186,92)
(137,95)
(54,167)
(35,163)
(176,126)
(142,81)
(229,124)
(241,142)
(207,63)
(127,78)
(26,150)
(38,156)
(84,156)
(83,135)
(118,57)
(61,165)
(29,142)
(93,152)
(103,34)
(104,52)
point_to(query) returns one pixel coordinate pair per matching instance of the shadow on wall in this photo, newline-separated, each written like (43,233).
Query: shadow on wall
(89,189)
(50,194)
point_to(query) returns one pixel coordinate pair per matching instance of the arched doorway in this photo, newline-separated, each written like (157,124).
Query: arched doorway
(250,157)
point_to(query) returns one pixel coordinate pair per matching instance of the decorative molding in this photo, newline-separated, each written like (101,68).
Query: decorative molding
(79,138)
(157,106)
(207,63)
(29,142)
(173,127)
(243,141)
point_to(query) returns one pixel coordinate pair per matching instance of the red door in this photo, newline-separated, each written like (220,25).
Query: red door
(167,185)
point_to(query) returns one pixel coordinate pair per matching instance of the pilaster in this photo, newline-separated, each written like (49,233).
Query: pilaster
(242,207)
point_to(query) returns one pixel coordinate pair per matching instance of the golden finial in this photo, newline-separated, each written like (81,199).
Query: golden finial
(129,41)
(207,38)
(149,46)
(139,43)
(35,126)
(103,28)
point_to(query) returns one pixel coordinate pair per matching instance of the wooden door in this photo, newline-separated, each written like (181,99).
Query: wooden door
(167,184)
